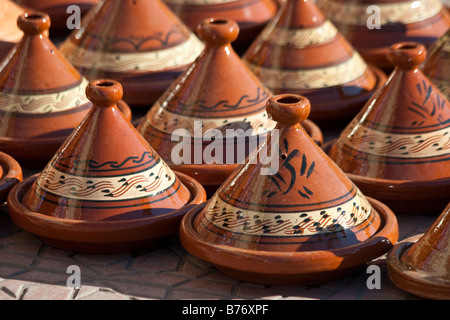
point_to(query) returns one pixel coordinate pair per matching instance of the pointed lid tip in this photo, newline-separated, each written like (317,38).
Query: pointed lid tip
(104,92)
(218,32)
(34,23)
(288,109)
(407,55)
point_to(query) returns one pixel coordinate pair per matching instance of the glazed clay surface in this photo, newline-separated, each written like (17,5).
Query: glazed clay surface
(141,44)
(398,144)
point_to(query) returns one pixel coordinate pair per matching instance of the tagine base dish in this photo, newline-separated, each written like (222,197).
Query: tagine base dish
(289,268)
(415,282)
(37,152)
(404,197)
(102,237)
(10,175)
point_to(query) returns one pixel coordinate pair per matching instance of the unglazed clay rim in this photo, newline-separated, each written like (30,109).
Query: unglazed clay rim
(292,263)
(412,281)
(25,144)
(12,174)
(85,232)
(400,186)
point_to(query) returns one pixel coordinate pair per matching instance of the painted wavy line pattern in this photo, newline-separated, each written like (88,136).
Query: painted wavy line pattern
(398,12)
(133,186)
(44,103)
(173,57)
(237,220)
(300,38)
(432,144)
(166,121)
(322,77)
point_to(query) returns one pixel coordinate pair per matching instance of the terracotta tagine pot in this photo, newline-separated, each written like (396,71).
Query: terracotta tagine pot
(397,148)
(289,215)
(10,175)
(437,65)
(58,11)
(420,265)
(105,190)
(251,15)
(140,43)
(10,34)
(373,26)
(300,51)
(217,96)
(42,96)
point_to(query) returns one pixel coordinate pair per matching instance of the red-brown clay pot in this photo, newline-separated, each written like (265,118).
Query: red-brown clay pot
(139,43)
(397,148)
(251,15)
(10,34)
(300,51)
(105,190)
(10,175)
(437,65)
(57,10)
(420,265)
(42,96)
(422,21)
(289,215)
(218,93)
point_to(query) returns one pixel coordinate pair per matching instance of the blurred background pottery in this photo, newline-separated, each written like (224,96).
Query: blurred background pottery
(251,15)
(397,148)
(105,190)
(57,10)
(422,21)
(421,265)
(140,43)
(289,215)
(10,175)
(300,51)
(216,95)
(437,65)
(10,34)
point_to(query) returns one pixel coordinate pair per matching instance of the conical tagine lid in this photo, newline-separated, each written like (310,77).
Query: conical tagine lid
(105,170)
(141,44)
(250,15)
(300,51)
(437,65)
(421,265)
(10,34)
(287,201)
(402,134)
(42,96)
(372,26)
(217,92)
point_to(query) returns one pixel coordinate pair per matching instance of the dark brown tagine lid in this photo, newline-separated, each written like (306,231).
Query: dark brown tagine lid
(437,65)
(60,12)
(420,265)
(42,96)
(250,15)
(217,96)
(300,51)
(10,175)
(373,26)
(289,215)
(397,148)
(106,189)
(10,34)
(140,43)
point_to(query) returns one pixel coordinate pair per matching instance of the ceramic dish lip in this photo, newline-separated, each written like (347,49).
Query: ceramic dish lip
(11,175)
(399,185)
(91,229)
(293,263)
(414,281)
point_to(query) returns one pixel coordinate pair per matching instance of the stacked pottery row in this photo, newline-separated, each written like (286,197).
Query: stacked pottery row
(289,212)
